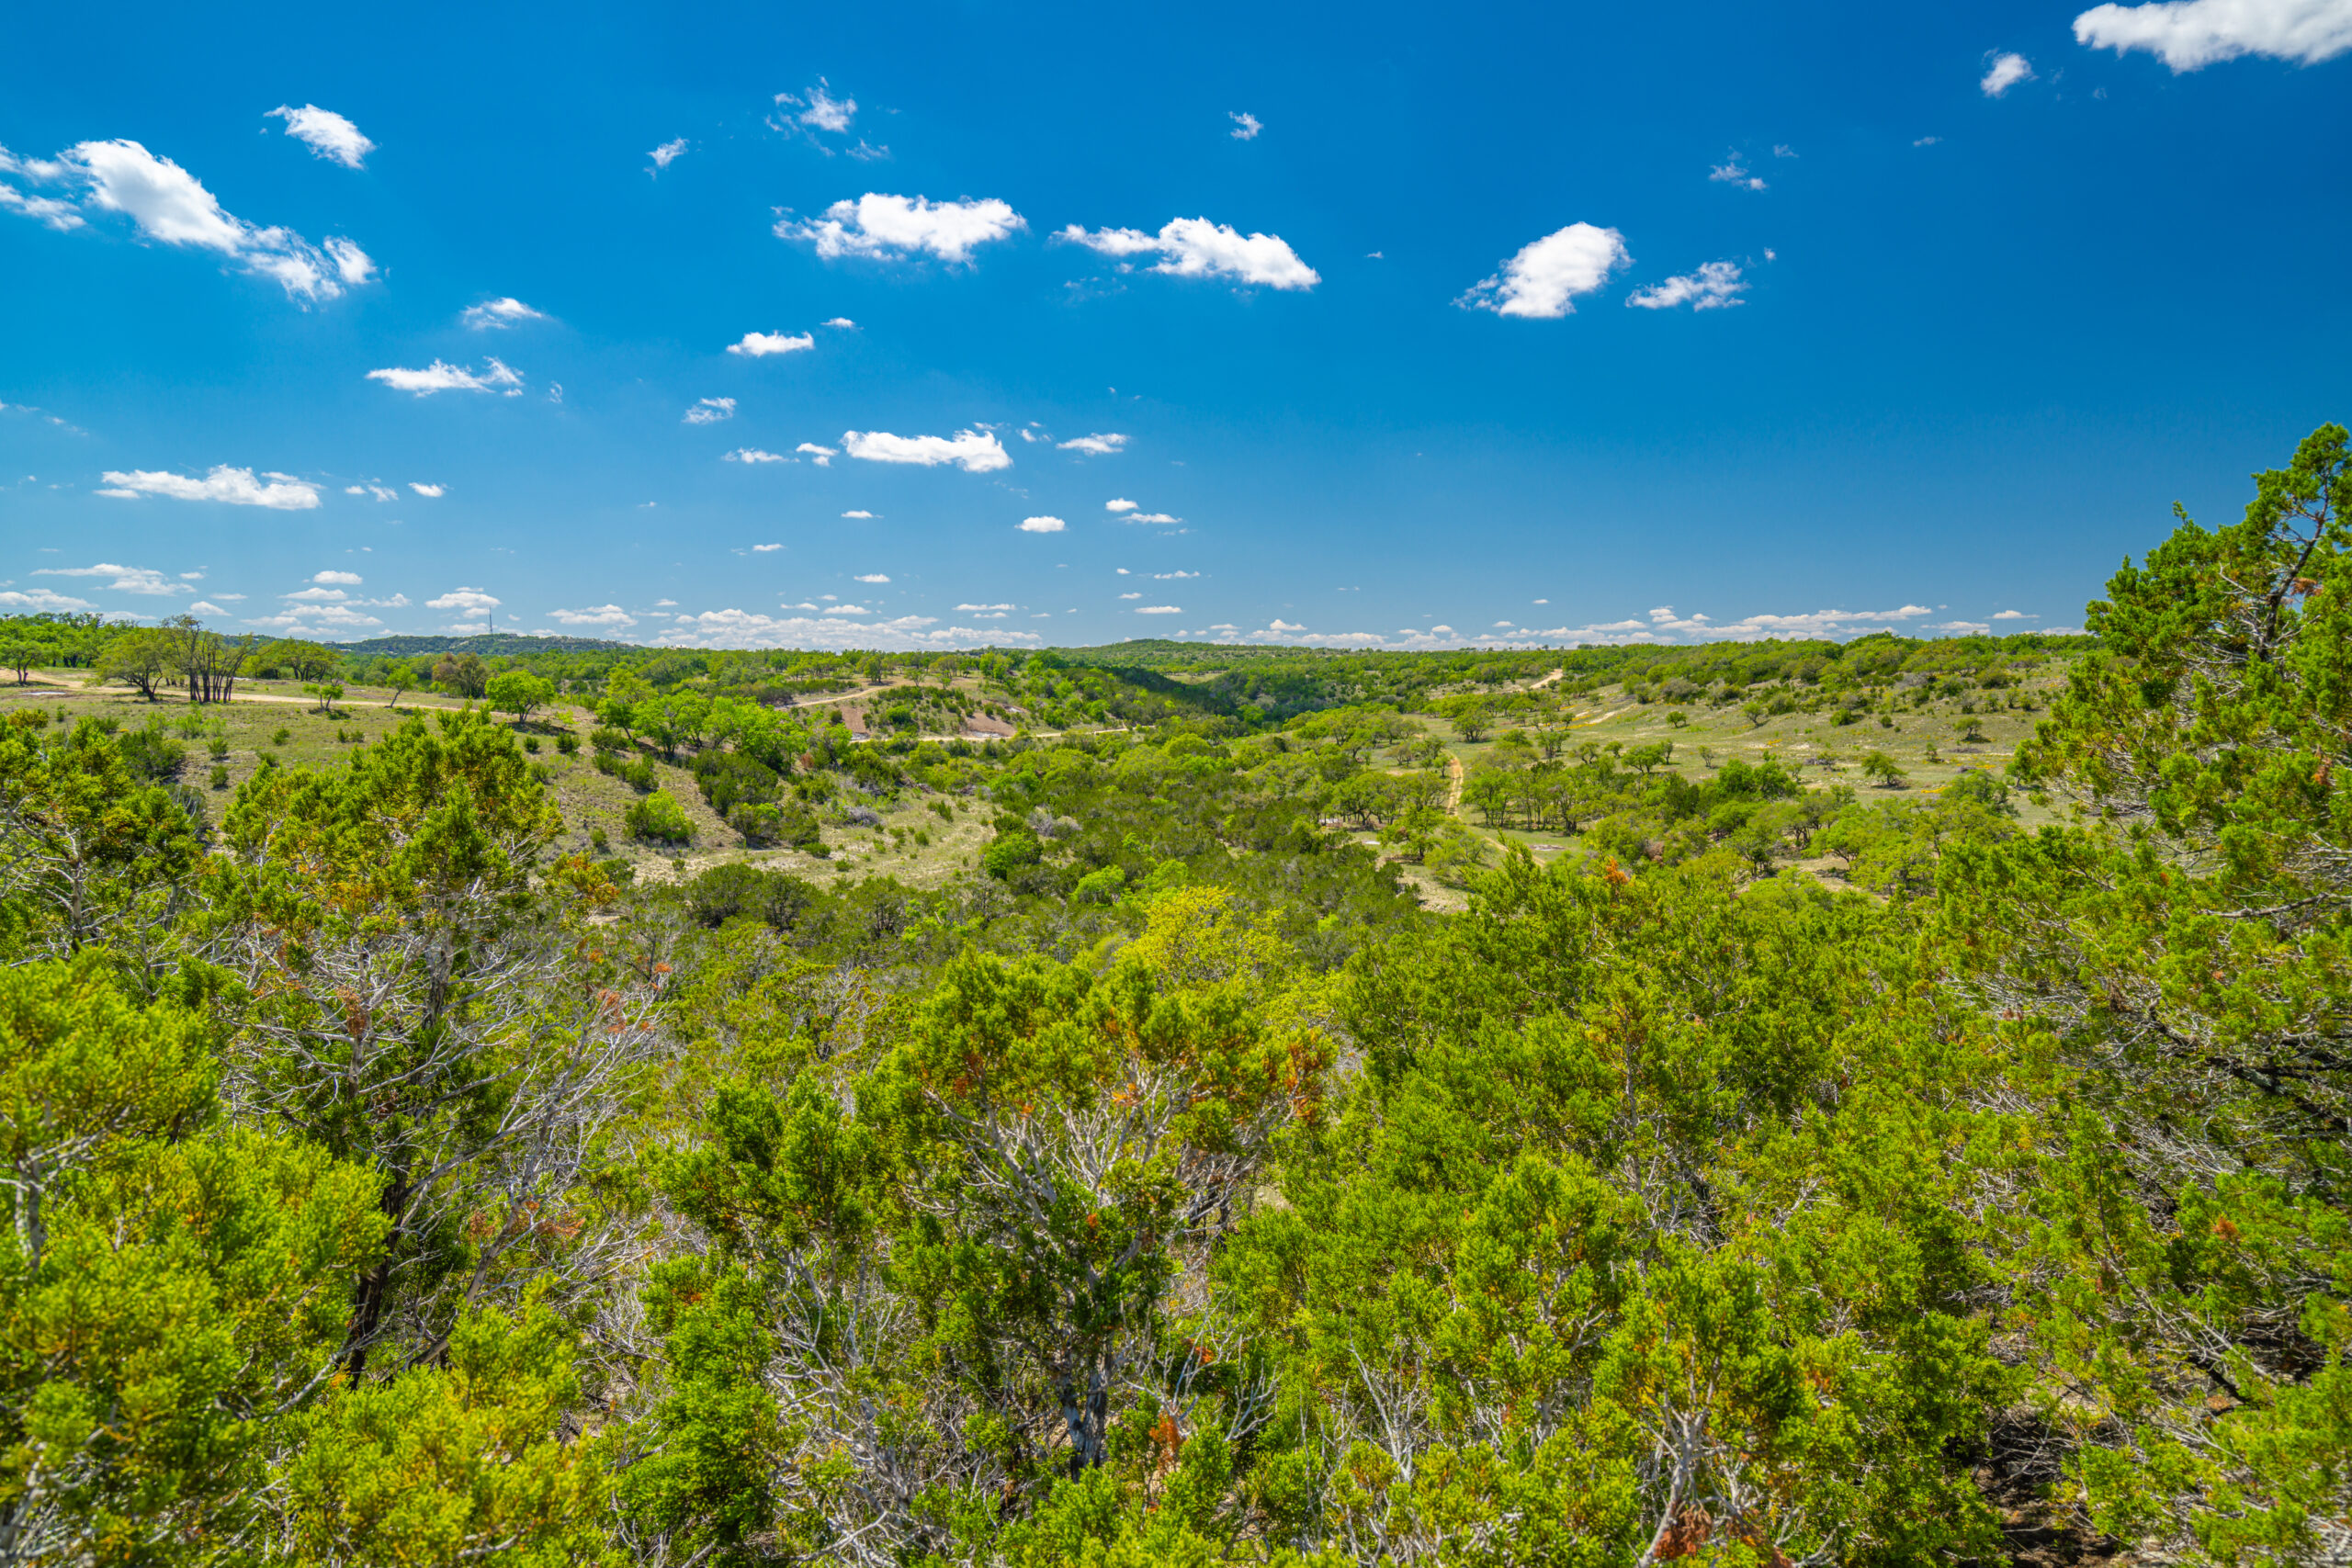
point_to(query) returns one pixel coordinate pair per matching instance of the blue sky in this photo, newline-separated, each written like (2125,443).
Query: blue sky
(1549,323)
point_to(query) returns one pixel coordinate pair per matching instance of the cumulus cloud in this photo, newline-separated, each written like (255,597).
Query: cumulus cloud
(171,207)
(339,578)
(430,492)
(473,600)
(1041,525)
(891,228)
(326,133)
(1119,505)
(752,455)
(1732,171)
(1714,286)
(120,579)
(595,616)
(312,619)
(873,577)
(759,345)
(860,515)
(666,155)
(1543,279)
(710,411)
(492,314)
(1245,127)
(763,550)
(233,487)
(1195,247)
(2003,72)
(37,599)
(844,322)
(439,377)
(1150,517)
(1102,445)
(2190,35)
(973,451)
(821,456)
(1136,595)
(1159,609)
(2013,615)
(742,628)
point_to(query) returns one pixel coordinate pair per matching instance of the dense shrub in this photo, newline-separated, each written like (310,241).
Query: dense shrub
(659,818)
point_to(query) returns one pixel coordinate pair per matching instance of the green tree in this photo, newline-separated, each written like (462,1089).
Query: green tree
(2180,950)
(142,658)
(171,1285)
(407,950)
(520,692)
(1888,773)
(462,675)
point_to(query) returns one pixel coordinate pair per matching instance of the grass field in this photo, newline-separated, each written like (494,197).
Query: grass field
(917,846)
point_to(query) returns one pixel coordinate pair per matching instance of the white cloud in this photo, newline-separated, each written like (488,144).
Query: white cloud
(2190,35)
(343,578)
(469,599)
(1119,505)
(314,618)
(1102,445)
(205,607)
(1783,150)
(821,456)
(710,411)
(1245,127)
(844,322)
(825,112)
(41,599)
(120,579)
(752,455)
(1927,142)
(496,313)
(171,206)
(740,629)
(850,609)
(58,215)
(1041,525)
(759,345)
(1136,595)
(430,492)
(891,227)
(2004,71)
(597,615)
(873,577)
(326,133)
(1150,517)
(984,609)
(1714,286)
(1545,277)
(438,376)
(235,486)
(1195,247)
(316,596)
(1735,173)
(975,452)
(765,549)
(2013,615)
(861,515)
(666,155)
(1171,576)
(1159,609)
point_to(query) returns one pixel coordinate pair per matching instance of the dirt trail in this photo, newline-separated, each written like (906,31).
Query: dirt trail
(1454,786)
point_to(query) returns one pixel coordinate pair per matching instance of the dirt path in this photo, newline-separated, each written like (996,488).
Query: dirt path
(1453,775)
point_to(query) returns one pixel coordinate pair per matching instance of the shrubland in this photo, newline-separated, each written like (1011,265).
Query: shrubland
(1783,1169)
